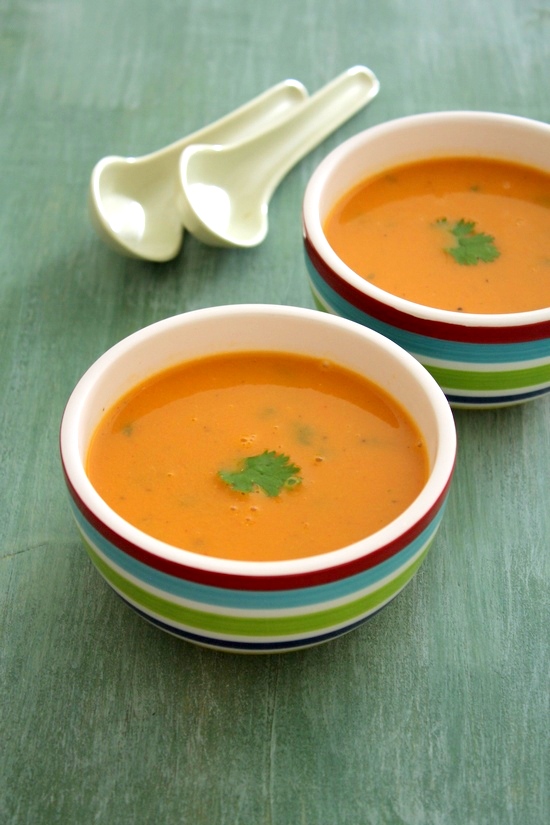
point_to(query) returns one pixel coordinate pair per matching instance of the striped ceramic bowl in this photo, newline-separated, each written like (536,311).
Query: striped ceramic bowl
(256,606)
(479,360)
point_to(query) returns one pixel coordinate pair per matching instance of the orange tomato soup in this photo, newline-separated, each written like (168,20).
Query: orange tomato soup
(406,231)
(156,456)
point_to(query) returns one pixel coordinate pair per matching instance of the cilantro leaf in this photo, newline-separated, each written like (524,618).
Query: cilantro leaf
(270,471)
(471,247)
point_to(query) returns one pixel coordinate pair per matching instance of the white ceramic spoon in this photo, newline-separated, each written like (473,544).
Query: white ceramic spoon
(133,200)
(226,190)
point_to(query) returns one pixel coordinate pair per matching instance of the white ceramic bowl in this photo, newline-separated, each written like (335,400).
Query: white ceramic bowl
(257,606)
(480,360)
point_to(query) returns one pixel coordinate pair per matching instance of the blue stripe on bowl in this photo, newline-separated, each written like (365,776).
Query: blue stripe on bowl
(421,345)
(252,600)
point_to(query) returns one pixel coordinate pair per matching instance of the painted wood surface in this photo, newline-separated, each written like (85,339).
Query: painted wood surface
(437,711)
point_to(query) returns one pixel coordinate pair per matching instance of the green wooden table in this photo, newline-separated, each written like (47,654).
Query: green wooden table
(436,711)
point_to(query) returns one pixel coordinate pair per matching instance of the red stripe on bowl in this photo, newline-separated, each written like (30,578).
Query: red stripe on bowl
(423,326)
(264,583)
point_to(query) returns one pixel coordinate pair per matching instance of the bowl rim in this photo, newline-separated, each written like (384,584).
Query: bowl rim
(313,232)
(90,502)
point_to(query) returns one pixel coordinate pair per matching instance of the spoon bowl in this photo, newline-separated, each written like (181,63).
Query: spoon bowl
(133,201)
(225,190)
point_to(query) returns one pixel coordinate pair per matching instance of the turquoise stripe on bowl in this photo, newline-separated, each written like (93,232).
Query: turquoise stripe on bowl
(421,345)
(148,577)
(262,627)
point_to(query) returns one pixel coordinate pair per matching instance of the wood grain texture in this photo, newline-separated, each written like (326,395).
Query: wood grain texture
(437,711)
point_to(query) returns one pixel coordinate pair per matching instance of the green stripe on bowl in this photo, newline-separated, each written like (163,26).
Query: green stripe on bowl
(253,626)
(506,380)
(318,303)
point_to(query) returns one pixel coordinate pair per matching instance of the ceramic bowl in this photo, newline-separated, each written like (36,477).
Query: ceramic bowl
(480,360)
(257,606)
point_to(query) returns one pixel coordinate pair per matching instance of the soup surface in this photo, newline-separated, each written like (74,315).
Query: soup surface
(464,234)
(257,456)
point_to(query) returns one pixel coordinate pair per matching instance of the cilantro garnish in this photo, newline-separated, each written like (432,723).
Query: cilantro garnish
(471,247)
(270,471)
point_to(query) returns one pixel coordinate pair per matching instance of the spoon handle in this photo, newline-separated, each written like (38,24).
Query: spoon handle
(225,190)
(280,147)
(245,122)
